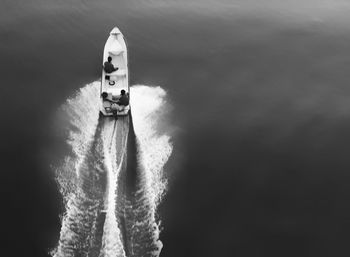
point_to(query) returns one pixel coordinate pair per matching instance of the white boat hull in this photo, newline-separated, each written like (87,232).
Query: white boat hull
(116,48)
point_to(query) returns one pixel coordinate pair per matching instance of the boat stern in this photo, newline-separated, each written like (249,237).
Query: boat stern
(112,109)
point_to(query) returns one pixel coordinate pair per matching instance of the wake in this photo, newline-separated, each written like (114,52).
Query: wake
(112,181)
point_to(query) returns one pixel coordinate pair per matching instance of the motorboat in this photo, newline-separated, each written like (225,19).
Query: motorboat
(114,82)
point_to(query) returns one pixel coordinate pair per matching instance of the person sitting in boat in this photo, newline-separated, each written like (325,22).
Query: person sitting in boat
(110,104)
(108,66)
(118,104)
(123,99)
(107,97)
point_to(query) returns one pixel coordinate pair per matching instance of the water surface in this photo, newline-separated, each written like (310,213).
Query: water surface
(259,95)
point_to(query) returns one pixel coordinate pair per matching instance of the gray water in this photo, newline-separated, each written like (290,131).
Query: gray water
(259,118)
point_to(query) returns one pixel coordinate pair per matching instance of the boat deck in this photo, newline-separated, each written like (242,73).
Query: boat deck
(120,83)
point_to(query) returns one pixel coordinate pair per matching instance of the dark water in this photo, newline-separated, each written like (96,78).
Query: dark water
(260,118)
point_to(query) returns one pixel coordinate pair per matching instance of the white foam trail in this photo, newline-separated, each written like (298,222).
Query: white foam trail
(154,150)
(82,209)
(112,245)
(82,111)
(80,116)
(75,231)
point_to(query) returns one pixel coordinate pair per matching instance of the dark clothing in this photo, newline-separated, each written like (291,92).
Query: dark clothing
(123,100)
(108,67)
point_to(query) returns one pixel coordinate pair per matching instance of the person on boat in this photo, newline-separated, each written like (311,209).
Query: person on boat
(123,99)
(107,97)
(116,105)
(108,66)
(110,104)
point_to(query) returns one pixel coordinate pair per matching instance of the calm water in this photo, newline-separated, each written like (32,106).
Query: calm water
(260,118)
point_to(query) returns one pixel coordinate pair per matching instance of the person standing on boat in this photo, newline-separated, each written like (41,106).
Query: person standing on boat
(108,66)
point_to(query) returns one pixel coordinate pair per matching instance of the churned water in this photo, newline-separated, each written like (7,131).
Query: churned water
(111,201)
